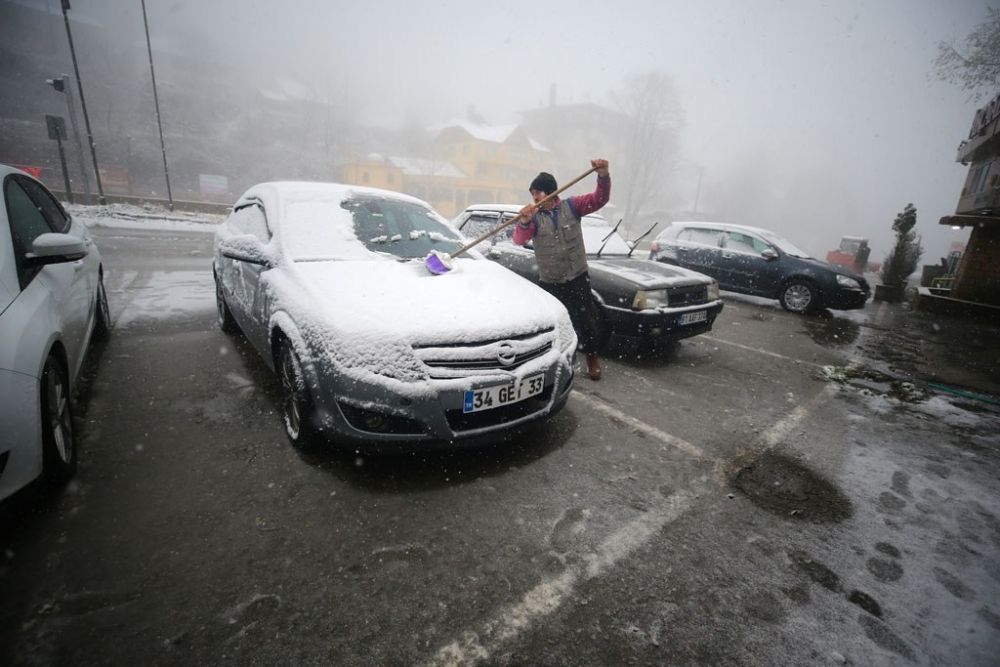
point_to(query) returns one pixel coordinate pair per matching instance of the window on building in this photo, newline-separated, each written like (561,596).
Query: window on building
(390,178)
(365,178)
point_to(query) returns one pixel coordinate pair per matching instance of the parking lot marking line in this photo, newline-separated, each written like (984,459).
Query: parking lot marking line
(757,349)
(475,646)
(780,429)
(639,425)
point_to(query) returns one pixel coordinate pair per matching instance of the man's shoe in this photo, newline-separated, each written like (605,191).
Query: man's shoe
(594,366)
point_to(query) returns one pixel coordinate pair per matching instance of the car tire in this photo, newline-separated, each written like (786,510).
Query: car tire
(59,455)
(296,401)
(102,318)
(799,296)
(226,320)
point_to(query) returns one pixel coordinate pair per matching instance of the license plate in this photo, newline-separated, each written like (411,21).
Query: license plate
(691,318)
(498,395)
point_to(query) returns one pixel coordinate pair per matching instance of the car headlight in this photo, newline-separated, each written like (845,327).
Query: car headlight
(713,291)
(848,282)
(650,299)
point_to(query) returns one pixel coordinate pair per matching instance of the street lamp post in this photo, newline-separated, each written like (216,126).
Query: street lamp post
(83,104)
(62,85)
(156,102)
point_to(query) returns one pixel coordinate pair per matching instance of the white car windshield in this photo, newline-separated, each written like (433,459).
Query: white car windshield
(594,238)
(359,226)
(401,228)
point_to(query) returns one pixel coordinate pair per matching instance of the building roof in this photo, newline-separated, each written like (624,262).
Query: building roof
(497,134)
(412,166)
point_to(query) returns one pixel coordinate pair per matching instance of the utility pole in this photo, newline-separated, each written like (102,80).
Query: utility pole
(62,85)
(83,105)
(156,102)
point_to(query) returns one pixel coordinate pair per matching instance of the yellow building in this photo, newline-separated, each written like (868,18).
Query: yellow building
(477,164)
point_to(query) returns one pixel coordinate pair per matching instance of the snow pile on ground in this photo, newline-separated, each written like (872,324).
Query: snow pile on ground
(132,216)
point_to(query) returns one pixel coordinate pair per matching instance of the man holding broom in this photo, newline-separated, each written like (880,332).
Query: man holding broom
(555,231)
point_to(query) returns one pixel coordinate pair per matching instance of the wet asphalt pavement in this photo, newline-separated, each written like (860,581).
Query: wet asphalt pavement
(783,491)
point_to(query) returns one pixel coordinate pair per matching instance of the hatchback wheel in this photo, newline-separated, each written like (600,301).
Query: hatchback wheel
(296,403)
(58,443)
(799,296)
(226,320)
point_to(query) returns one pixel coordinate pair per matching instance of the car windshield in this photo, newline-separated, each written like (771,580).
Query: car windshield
(481,222)
(401,228)
(597,240)
(784,245)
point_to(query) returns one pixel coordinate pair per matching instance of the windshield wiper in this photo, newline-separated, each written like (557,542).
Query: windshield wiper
(613,230)
(604,241)
(635,244)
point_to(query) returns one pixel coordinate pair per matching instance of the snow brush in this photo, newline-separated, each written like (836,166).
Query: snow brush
(440,262)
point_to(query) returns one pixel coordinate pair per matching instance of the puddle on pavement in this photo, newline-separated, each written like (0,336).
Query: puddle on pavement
(783,485)
(875,382)
(832,331)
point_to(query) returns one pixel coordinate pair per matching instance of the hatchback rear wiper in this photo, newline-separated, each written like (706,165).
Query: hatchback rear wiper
(635,244)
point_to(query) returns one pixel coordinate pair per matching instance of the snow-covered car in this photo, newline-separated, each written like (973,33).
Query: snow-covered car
(645,304)
(52,304)
(329,284)
(755,261)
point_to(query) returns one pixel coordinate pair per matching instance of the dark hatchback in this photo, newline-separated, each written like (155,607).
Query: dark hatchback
(645,303)
(755,261)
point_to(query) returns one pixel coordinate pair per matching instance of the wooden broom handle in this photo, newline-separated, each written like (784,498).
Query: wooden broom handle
(518,216)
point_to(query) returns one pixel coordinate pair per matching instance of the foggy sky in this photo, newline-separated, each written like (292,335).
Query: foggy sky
(825,113)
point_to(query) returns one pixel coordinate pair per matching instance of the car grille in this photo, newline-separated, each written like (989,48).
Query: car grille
(467,358)
(688,296)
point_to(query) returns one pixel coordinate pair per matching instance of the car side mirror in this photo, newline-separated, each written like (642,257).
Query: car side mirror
(247,248)
(55,248)
(769,254)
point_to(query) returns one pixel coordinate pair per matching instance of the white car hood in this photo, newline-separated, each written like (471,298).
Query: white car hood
(404,302)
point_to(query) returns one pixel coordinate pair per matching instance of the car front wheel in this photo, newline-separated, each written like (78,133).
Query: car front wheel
(103,327)
(58,442)
(226,320)
(296,403)
(799,296)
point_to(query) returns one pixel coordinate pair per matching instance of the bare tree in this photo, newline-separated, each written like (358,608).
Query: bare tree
(651,104)
(976,67)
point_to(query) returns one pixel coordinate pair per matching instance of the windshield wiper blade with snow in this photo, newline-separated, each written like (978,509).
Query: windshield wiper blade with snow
(606,238)
(635,244)
(613,230)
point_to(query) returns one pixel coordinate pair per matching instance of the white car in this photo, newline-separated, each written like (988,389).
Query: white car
(329,284)
(52,303)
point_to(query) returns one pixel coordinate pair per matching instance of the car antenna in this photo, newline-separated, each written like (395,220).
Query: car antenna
(635,244)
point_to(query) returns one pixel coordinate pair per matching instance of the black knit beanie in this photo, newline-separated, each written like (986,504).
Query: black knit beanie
(544,182)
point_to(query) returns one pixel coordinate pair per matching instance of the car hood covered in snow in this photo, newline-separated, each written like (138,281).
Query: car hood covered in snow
(375,303)
(643,273)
